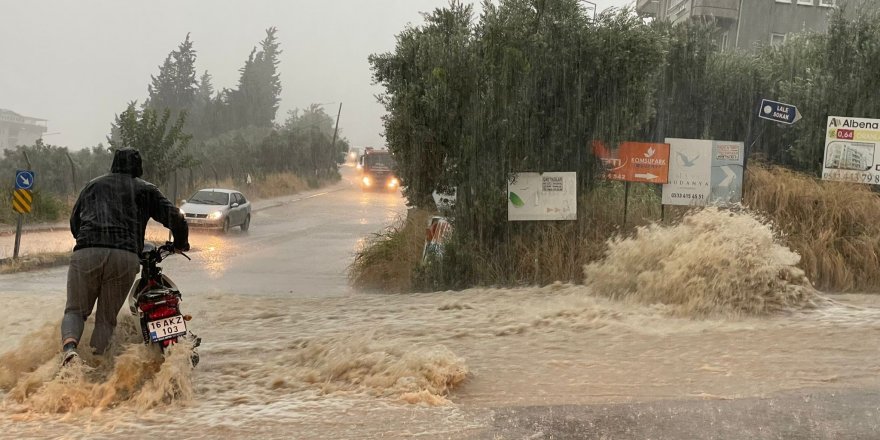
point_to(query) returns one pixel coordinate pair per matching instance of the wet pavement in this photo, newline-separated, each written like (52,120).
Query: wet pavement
(291,351)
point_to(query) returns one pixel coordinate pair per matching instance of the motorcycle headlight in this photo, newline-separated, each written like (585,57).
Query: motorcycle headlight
(366,181)
(215,215)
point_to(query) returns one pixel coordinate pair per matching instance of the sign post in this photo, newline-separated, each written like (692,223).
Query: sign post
(640,162)
(778,112)
(22,199)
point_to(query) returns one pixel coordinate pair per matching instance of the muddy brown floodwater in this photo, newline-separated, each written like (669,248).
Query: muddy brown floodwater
(432,365)
(609,359)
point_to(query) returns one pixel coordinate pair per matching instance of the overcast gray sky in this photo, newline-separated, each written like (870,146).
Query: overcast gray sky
(77,63)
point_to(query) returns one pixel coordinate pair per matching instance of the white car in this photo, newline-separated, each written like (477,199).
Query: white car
(217,208)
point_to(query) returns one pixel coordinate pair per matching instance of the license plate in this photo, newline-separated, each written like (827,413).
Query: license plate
(166,328)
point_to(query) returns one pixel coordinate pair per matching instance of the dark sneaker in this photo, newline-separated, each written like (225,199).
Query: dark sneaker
(70,357)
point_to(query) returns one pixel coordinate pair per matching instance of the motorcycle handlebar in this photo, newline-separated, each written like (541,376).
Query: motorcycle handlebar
(169,248)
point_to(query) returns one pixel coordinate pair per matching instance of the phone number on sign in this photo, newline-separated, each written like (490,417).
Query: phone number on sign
(687,196)
(852,177)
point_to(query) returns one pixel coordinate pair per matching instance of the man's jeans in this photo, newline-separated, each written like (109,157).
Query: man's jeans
(102,275)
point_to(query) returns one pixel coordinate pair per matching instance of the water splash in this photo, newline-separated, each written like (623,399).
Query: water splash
(130,374)
(362,364)
(713,262)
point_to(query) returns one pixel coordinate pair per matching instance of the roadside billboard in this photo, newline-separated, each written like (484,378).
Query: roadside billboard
(635,161)
(851,150)
(704,172)
(542,196)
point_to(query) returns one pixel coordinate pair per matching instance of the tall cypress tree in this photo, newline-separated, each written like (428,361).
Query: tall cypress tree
(255,102)
(174,88)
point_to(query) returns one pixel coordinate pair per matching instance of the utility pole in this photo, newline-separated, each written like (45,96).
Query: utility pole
(335,131)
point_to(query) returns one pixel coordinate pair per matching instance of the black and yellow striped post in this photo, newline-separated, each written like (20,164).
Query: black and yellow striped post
(22,199)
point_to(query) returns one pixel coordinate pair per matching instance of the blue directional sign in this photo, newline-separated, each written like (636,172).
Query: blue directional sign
(778,112)
(24,179)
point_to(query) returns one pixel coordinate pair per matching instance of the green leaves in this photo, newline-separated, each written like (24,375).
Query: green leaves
(162,147)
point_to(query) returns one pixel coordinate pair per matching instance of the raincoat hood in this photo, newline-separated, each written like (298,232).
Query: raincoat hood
(127,161)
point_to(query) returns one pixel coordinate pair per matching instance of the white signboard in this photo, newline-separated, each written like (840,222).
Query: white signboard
(690,172)
(704,172)
(542,196)
(851,150)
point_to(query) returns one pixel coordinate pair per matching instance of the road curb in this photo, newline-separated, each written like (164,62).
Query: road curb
(7,232)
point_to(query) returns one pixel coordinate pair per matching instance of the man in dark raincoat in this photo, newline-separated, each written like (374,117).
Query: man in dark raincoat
(109,221)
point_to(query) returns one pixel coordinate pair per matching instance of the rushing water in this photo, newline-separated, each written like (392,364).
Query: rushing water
(436,365)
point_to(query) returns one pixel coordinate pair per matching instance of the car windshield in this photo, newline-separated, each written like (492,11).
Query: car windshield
(209,198)
(379,159)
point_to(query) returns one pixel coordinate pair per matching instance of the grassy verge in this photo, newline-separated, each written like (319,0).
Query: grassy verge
(386,260)
(34,262)
(46,208)
(832,226)
(534,252)
(271,185)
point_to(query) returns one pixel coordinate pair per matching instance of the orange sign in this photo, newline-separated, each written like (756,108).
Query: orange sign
(635,161)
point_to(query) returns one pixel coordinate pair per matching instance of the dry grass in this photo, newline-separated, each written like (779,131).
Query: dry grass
(268,186)
(540,253)
(833,226)
(386,260)
(533,253)
(34,262)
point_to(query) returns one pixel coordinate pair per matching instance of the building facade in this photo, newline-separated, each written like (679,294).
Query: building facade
(16,129)
(746,23)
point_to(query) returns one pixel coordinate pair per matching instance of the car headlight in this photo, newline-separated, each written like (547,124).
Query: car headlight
(366,181)
(394,182)
(215,215)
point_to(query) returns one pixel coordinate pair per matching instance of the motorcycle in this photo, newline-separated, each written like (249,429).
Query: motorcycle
(155,300)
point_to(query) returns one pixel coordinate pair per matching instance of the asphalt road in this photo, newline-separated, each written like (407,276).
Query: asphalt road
(562,379)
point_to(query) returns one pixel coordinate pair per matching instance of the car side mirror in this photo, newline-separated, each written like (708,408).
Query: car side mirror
(235,205)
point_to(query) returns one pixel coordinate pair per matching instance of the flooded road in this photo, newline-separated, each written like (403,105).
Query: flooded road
(290,351)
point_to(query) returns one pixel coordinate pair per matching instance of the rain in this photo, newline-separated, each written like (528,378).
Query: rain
(442,219)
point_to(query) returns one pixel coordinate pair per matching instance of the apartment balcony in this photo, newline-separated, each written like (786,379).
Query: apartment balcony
(649,8)
(728,9)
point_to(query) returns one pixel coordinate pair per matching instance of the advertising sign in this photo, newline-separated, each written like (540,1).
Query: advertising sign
(704,172)
(542,196)
(635,161)
(727,172)
(851,150)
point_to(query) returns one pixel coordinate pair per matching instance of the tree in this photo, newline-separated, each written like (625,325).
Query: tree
(163,148)
(255,101)
(202,111)
(175,86)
